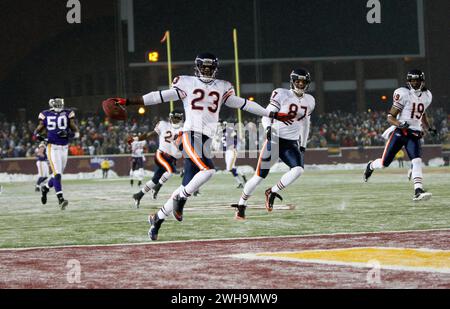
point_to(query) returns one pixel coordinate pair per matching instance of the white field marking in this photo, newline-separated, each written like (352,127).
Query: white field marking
(223,239)
(256,256)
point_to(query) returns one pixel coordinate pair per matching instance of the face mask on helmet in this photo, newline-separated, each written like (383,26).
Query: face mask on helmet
(206,67)
(175,118)
(298,87)
(56,104)
(415,80)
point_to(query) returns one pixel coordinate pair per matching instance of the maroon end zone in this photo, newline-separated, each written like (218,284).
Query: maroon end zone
(208,264)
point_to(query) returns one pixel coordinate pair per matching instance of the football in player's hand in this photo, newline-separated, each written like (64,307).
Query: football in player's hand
(113,110)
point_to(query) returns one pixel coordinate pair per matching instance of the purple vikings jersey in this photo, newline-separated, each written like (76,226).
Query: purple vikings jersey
(57,125)
(42,157)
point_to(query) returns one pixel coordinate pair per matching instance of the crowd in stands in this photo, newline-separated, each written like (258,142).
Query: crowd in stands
(100,137)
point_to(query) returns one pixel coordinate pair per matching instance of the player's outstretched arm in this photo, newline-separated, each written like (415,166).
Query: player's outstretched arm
(147,135)
(256,109)
(153,98)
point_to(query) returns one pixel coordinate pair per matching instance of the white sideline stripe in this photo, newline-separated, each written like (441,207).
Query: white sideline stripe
(255,256)
(222,239)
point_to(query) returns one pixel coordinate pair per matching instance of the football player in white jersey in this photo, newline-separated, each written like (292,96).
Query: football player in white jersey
(408,122)
(166,156)
(137,159)
(203,96)
(229,141)
(283,139)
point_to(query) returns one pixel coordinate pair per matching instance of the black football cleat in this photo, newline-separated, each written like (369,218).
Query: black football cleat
(37,189)
(270,199)
(240,212)
(240,186)
(137,198)
(178,206)
(156,190)
(421,195)
(196,193)
(245,179)
(368,172)
(44,191)
(63,204)
(131,182)
(155,223)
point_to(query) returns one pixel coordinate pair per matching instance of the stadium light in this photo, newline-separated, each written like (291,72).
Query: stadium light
(152,56)
(383,98)
(141,111)
(251,99)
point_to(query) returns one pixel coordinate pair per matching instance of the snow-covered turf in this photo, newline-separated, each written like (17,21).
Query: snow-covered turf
(326,201)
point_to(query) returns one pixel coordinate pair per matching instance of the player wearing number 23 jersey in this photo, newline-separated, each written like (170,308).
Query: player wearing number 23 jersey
(203,96)
(60,126)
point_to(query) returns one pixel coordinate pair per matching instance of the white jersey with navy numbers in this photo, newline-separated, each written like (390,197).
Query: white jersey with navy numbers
(167,137)
(286,101)
(137,149)
(202,102)
(412,106)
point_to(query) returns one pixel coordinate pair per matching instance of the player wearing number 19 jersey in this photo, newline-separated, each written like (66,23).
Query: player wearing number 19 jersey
(60,126)
(203,96)
(283,139)
(408,122)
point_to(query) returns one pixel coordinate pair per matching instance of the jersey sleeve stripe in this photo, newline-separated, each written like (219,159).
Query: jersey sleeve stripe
(277,107)
(226,96)
(398,106)
(41,116)
(183,92)
(161,96)
(178,93)
(242,107)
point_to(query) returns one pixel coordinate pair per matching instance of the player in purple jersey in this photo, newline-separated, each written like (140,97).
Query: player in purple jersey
(59,123)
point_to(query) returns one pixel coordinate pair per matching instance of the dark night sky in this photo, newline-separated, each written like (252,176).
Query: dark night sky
(31,33)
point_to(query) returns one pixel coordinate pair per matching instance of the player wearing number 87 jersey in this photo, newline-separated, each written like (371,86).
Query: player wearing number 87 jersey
(60,126)
(408,120)
(283,139)
(203,96)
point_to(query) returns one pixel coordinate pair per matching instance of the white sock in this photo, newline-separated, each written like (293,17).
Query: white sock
(165,177)
(166,210)
(378,163)
(249,188)
(288,178)
(199,180)
(417,175)
(148,186)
